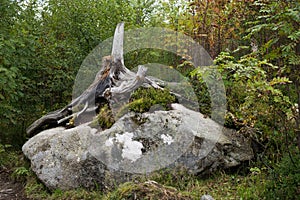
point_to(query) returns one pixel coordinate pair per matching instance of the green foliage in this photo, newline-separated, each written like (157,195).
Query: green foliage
(144,10)
(5,158)
(42,45)
(144,98)
(13,161)
(252,186)
(253,98)
(179,178)
(219,185)
(20,174)
(9,158)
(209,91)
(201,90)
(144,56)
(34,189)
(281,21)
(285,179)
(248,87)
(10,79)
(76,195)
(276,32)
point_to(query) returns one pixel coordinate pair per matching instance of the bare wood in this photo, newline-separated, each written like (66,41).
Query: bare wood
(113,81)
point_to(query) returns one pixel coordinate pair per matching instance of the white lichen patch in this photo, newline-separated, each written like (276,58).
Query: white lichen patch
(132,150)
(167,139)
(109,142)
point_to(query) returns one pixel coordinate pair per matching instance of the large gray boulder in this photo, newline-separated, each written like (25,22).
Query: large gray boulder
(136,145)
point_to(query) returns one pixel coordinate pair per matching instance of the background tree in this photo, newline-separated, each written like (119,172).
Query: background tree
(42,47)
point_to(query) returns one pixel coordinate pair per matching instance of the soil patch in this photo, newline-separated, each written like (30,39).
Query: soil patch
(9,189)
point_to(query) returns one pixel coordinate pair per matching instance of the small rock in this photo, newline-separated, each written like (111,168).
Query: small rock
(206,197)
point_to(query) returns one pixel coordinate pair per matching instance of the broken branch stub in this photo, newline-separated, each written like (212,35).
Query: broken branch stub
(113,81)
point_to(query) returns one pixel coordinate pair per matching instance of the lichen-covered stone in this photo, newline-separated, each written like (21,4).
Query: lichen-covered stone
(136,145)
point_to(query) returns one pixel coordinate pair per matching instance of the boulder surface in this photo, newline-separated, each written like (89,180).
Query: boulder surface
(136,145)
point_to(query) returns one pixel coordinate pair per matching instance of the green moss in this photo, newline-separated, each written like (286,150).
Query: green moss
(105,119)
(144,98)
(141,100)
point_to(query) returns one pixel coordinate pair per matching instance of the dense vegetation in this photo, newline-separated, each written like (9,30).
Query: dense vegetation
(255,46)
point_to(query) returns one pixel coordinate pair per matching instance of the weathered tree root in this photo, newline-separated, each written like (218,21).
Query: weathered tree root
(113,81)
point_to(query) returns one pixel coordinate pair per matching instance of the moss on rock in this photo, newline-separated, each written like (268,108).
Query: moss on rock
(144,98)
(105,119)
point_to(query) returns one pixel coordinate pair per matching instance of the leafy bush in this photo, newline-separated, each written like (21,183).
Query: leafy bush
(254,99)
(285,181)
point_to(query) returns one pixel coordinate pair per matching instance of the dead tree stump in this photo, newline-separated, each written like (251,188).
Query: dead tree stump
(113,81)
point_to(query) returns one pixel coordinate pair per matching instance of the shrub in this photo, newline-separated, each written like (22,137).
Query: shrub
(254,98)
(285,180)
